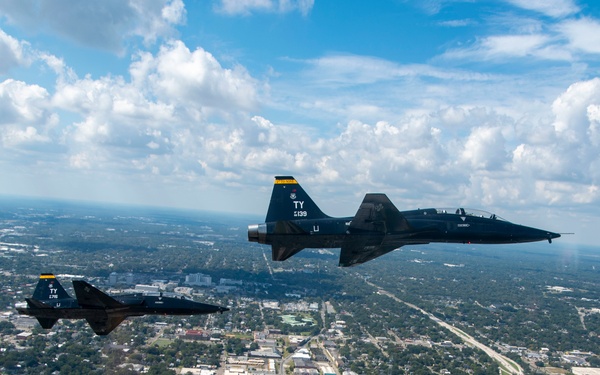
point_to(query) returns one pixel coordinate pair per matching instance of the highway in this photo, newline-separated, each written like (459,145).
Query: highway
(507,365)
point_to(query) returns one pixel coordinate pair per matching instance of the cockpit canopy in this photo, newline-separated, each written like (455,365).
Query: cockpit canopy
(469,212)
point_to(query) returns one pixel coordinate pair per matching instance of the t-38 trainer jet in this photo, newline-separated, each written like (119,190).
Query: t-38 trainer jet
(295,222)
(104,313)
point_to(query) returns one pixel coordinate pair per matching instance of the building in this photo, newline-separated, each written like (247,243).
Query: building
(197,371)
(193,334)
(198,279)
(305,367)
(266,343)
(146,288)
(230,282)
(273,305)
(585,370)
(24,335)
(267,353)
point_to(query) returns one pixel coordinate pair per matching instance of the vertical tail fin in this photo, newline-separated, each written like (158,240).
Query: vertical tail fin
(49,290)
(290,202)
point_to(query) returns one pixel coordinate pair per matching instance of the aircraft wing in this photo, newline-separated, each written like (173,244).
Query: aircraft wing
(90,297)
(378,214)
(355,252)
(376,217)
(103,325)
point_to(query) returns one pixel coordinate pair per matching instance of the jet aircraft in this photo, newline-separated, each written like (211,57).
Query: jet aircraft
(104,313)
(295,222)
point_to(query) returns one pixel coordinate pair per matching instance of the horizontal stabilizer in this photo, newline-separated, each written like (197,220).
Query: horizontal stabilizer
(105,325)
(34,303)
(89,296)
(47,323)
(287,227)
(286,248)
(284,251)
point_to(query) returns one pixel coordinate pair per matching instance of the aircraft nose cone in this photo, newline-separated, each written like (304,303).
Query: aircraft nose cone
(529,234)
(552,235)
(221,309)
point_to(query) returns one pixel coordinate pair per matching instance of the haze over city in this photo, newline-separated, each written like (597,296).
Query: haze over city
(491,105)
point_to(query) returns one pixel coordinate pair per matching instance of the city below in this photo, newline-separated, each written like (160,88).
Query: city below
(428,309)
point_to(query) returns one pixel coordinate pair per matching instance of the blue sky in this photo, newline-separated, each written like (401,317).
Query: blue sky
(484,104)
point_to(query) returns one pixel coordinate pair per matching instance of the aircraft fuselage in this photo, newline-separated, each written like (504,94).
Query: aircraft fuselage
(51,302)
(428,225)
(132,305)
(295,222)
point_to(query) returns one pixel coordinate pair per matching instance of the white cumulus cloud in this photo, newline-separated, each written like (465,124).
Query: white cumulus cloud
(12,52)
(247,7)
(194,79)
(98,24)
(553,8)
(583,34)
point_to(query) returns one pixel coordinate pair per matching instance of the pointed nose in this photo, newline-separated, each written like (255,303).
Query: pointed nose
(528,234)
(540,235)
(552,236)
(219,309)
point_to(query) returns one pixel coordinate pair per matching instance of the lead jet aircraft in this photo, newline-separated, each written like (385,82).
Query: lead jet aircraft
(104,313)
(295,222)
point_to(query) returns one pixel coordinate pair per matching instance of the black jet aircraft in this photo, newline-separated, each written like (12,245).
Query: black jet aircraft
(295,222)
(104,313)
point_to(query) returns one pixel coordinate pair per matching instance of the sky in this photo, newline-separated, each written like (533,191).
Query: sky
(491,105)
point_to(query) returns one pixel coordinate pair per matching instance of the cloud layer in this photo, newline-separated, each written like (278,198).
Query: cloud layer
(101,24)
(182,118)
(183,114)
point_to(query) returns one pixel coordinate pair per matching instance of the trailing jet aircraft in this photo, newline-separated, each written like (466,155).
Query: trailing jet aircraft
(295,222)
(104,313)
